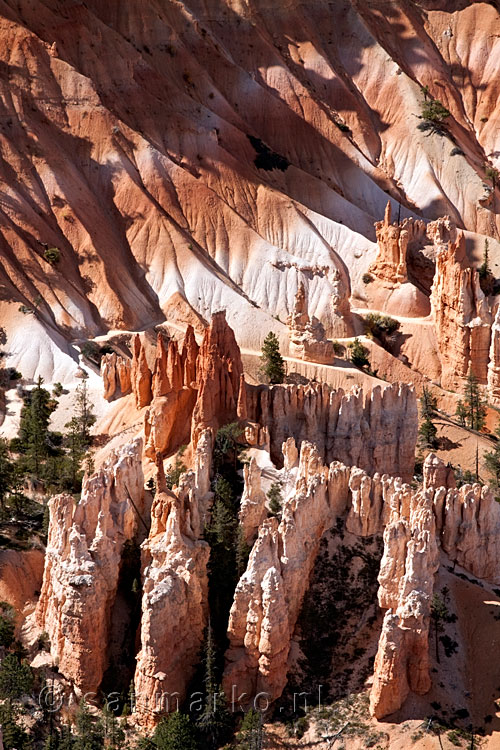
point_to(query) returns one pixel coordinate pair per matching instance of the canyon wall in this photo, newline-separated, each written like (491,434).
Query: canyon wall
(375,431)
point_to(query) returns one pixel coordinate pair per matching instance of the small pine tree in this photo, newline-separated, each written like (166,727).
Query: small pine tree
(475,406)
(428,404)
(428,432)
(7,473)
(275,498)
(461,413)
(242,552)
(251,735)
(34,427)
(16,679)
(7,625)
(439,615)
(215,721)
(175,732)
(90,733)
(484,269)
(359,354)
(273,365)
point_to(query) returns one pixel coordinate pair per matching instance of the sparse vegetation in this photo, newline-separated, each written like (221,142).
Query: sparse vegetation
(381,327)
(358,354)
(179,467)
(492,174)
(433,115)
(52,255)
(367,278)
(275,498)
(486,278)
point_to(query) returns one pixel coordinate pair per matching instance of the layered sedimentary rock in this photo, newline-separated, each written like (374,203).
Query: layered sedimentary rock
(392,241)
(21,573)
(307,336)
(175,591)
(167,421)
(494,363)
(253,501)
(406,579)
(219,370)
(140,375)
(268,596)
(468,521)
(376,431)
(116,374)
(82,564)
(461,316)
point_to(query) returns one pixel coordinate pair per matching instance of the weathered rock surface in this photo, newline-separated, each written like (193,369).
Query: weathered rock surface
(392,241)
(116,375)
(140,375)
(21,573)
(82,564)
(253,501)
(376,431)
(219,370)
(406,579)
(461,316)
(175,591)
(494,363)
(307,337)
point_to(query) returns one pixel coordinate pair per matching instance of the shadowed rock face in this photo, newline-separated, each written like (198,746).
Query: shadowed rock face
(82,565)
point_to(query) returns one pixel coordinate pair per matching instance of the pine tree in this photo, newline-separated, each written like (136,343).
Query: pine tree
(461,413)
(7,624)
(215,721)
(439,615)
(428,404)
(250,736)
(90,734)
(34,427)
(14,737)
(484,269)
(175,732)
(359,354)
(79,439)
(6,473)
(242,552)
(427,432)
(275,498)
(273,365)
(474,403)
(16,679)
(66,739)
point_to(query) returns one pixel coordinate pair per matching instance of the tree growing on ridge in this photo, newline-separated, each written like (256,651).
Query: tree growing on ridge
(272,363)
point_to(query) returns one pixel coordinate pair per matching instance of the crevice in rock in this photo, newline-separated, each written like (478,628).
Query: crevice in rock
(123,643)
(337,631)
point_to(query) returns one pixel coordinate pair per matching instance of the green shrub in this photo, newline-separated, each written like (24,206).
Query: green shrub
(434,111)
(52,255)
(377,324)
(367,278)
(359,354)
